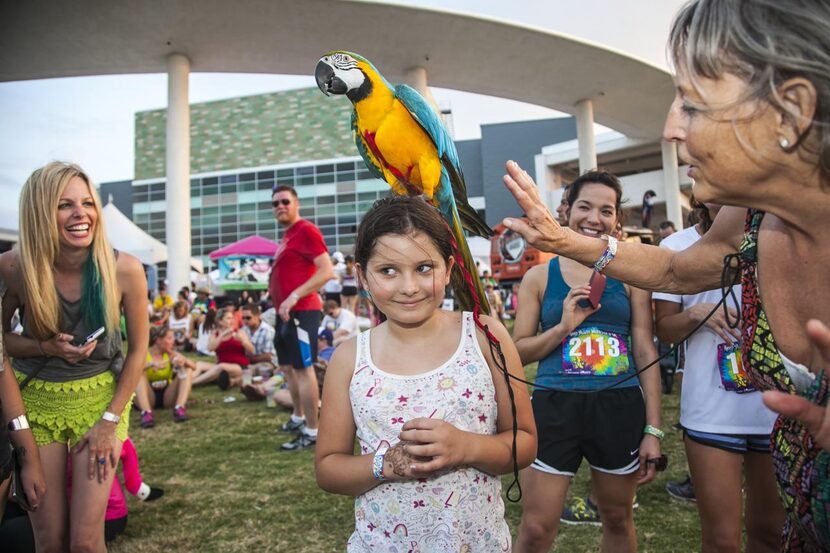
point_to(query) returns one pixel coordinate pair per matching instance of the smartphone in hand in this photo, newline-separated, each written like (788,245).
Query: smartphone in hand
(597,284)
(95,334)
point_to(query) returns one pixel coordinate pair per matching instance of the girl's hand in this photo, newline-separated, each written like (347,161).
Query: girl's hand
(61,346)
(649,449)
(717,322)
(540,229)
(574,314)
(101,441)
(438,443)
(398,462)
(31,472)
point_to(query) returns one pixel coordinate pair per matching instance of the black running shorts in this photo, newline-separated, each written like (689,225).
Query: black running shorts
(603,427)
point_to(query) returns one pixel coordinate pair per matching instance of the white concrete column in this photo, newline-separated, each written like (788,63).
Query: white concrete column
(177,223)
(671,182)
(585,135)
(416,77)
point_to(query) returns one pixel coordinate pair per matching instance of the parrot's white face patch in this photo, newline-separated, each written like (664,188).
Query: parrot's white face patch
(345,68)
(343,61)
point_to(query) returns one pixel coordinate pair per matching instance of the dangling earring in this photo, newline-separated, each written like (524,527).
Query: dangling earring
(784,143)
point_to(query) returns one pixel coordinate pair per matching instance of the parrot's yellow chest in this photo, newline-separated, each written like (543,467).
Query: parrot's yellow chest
(402,149)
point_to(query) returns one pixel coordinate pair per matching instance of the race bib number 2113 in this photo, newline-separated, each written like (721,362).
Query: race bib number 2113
(591,351)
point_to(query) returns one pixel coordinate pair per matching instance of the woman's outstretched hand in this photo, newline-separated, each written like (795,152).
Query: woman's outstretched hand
(815,417)
(540,229)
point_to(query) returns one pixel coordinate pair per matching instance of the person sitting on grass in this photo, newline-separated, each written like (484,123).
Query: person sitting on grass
(181,325)
(232,348)
(263,360)
(166,381)
(340,321)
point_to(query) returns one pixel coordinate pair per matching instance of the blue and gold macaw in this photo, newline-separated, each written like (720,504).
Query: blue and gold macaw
(403,142)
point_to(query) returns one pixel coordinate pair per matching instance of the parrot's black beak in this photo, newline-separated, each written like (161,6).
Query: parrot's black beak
(327,81)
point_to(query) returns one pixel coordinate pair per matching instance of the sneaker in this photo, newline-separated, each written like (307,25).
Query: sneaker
(581,510)
(147,419)
(684,491)
(179,414)
(302,441)
(291,426)
(223,380)
(155,493)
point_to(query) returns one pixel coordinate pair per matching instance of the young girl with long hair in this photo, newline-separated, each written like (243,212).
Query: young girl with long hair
(422,394)
(68,282)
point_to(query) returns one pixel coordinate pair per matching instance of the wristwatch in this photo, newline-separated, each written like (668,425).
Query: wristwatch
(111,417)
(18,423)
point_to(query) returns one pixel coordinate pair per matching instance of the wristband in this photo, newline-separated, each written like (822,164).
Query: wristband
(654,431)
(18,423)
(608,255)
(377,463)
(111,417)
(40,348)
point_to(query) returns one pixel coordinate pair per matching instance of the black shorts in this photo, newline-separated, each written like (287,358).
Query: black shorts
(288,345)
(603,427)
(349,291)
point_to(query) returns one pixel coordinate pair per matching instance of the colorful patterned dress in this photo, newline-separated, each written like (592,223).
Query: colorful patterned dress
(802,467)
(456,510)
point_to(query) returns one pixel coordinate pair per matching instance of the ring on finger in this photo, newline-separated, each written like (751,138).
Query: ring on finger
(102,461)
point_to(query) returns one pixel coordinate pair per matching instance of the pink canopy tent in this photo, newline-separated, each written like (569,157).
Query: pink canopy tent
(254,246)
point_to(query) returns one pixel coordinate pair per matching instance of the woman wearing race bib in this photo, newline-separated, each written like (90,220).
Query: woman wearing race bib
(582,351)
(726,426)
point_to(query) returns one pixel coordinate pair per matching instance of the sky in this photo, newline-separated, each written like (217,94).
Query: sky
(90,120)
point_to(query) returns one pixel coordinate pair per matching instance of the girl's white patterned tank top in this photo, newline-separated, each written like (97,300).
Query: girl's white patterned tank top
(455,510)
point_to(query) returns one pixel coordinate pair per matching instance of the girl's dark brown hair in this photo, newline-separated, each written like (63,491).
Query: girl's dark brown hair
(402,215)
(157,333)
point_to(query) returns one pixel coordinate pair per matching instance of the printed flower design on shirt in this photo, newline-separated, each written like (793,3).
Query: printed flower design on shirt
(446,384)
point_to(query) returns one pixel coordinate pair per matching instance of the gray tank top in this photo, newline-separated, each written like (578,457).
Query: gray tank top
(106,356)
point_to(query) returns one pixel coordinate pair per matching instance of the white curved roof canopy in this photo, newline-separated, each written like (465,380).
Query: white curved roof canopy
(44,38)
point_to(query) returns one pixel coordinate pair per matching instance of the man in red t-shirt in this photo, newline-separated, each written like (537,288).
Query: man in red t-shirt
(301,267)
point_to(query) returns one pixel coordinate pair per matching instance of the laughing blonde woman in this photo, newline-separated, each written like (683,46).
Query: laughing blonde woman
(68,282)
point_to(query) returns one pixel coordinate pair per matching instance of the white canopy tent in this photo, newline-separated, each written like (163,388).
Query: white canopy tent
(126,236)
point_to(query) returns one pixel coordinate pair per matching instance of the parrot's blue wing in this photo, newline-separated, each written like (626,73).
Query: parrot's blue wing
(456,192)
(429,121)
(371,163)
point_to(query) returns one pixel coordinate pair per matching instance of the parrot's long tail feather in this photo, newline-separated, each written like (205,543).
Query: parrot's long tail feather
(470,219)
(465,282)
(471,298)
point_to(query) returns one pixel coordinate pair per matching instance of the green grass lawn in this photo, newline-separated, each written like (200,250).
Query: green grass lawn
(228,488)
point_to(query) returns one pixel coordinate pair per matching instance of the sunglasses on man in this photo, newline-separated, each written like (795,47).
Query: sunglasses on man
(284,201)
